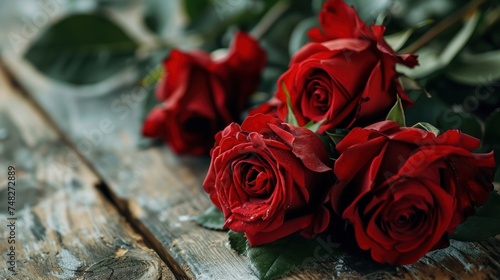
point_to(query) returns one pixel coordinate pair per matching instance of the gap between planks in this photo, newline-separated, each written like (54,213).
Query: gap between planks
(122,206)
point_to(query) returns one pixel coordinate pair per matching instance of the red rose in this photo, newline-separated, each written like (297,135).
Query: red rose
(201,96)
(270,179)
(405,189)
(346,77)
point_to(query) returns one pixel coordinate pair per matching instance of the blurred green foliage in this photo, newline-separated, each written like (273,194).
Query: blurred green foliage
(67,51)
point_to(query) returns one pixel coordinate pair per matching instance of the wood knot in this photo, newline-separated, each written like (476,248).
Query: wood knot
(125,264)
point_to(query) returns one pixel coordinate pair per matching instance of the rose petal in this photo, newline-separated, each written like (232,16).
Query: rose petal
(333,13)
(153,125)
(288,227)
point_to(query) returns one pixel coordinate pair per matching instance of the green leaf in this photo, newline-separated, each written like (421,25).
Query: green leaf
(476,69)
(329,145)
(194,9)
(277,55)
(398,40)
(280,257)
(161,16)
(426,109)
(397,113)
(112,2)
(335,137)
(212,218)
(150,103)
(413,88)
(276,41)
(299,36)
(484,224)
(492,129)
(428,127)
(409,84)
(461,38)
(220,15)
(314,126)
(238,242)
(290,117)
(227,8)
(82,49)
(368,11)
(269,77)
(433,58)
(152,77)
(317,5)
(467,123)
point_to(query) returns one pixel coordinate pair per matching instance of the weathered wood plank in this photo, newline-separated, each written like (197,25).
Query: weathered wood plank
(159,190)
(65,228)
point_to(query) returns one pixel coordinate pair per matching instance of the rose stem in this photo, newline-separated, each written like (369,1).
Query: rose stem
(274,13)
(442,26)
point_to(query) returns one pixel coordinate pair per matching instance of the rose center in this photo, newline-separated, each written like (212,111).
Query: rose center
(320,90)
(254,176)
(409,219)
(403,219)
(320,98)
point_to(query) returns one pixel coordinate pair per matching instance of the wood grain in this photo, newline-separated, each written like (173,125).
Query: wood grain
(158,191)
(65,228)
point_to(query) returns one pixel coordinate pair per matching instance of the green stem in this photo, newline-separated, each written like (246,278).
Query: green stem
(443,25)
(269,19)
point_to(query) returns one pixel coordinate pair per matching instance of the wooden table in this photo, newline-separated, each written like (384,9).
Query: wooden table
(91,204)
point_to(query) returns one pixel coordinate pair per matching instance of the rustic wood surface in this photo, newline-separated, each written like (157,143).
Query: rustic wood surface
(65,228)
(157,192)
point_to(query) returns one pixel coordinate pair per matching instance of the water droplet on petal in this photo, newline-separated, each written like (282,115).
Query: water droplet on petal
(267,214)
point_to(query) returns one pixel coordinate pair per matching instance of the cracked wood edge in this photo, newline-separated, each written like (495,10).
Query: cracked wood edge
(65,229)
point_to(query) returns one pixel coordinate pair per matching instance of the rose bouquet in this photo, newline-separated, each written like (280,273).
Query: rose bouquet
(329,154)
